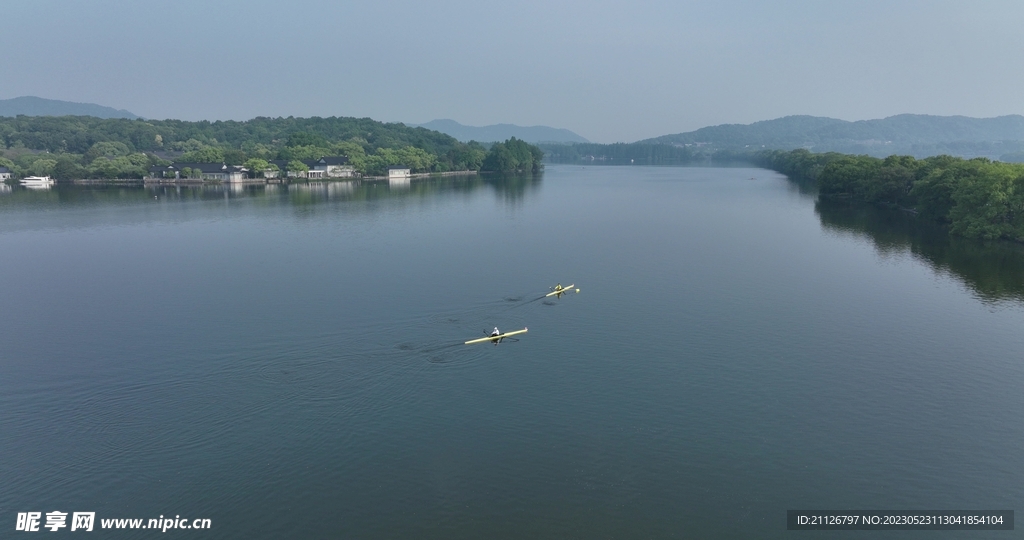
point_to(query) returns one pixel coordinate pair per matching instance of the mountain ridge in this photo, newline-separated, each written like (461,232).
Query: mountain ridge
(37,106)
(811,131)
(501,132)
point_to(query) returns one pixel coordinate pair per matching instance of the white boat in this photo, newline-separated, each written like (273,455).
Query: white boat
(36,181)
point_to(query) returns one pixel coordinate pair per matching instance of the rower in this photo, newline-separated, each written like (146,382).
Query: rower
(496,337)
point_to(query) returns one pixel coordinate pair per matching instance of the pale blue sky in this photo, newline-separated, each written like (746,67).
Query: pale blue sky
(611,71)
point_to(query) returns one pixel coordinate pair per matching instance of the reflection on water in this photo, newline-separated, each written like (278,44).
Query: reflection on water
(512,188)
(399,183)
(993,270)
(508,188)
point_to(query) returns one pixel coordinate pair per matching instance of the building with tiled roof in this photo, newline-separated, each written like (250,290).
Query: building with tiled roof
(206,171)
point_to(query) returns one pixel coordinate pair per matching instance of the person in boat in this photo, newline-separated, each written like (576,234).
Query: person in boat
(495,332)
(558,287)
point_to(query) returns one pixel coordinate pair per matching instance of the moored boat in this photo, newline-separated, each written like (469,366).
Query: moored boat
(36,181)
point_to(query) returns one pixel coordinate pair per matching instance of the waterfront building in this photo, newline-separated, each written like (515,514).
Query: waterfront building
(399,171)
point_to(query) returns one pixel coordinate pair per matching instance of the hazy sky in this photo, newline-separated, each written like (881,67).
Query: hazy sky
(610,71)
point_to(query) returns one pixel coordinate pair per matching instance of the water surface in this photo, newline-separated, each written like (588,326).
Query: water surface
(287,360)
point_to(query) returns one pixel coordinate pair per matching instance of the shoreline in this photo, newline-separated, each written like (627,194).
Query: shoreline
(421,175)
(247,182)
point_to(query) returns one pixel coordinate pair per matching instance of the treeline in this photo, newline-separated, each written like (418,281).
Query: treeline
(68,147)
(976,198)
(640,154)
(513,155)
(509,188)
(621,154)
(103,160)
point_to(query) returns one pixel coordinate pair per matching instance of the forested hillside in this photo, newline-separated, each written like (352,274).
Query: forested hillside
(89,147)
(910,134)
(621,154)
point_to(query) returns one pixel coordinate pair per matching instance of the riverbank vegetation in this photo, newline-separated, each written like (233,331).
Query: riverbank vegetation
(513,156)
(71,147)
(975,198)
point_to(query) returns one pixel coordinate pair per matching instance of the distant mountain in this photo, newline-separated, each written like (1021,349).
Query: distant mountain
(913,134)
(36,106)
(501,132)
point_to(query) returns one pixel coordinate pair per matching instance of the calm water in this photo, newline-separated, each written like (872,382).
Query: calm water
(288,361)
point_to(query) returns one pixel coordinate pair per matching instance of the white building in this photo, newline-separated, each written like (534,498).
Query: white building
(325,167)
(398,172)
(332,167)
(5,174)
(205,171)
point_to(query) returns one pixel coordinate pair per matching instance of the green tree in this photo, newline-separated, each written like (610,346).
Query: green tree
(289,153)
(256,166)
(103,167)
(68,169)
(108,149)
(260,150)
(985,205)
(233,156)
(129,167)
(513,155)
(417,159)
(297,167)
(466,157)
(206,154)
(934,192)
(848,177)
(895,178)
(190,145)
(353,151)
(306,139)
(43,167)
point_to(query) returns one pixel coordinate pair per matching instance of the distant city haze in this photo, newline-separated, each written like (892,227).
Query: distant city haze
(607,71)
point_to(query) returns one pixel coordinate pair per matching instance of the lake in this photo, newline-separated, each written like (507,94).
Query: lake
(288,361)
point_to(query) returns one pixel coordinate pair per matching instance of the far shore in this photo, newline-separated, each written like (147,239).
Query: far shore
(248,181)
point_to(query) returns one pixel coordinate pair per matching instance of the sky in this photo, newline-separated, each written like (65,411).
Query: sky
(610,71)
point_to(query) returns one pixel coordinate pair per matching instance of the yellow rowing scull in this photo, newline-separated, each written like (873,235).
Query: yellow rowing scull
(498,337)
(561,290)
